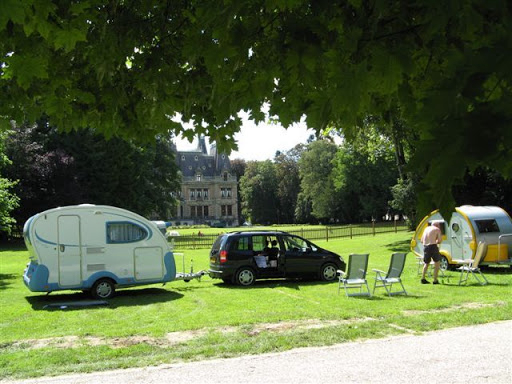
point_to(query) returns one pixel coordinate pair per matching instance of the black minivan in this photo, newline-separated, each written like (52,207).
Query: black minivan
(242,257)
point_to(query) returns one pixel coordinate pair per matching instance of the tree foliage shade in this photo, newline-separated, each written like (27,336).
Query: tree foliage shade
(55,169)
(125,68)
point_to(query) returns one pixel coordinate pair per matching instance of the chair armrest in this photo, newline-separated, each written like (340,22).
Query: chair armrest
(378,270)
(462,262)
(340,272)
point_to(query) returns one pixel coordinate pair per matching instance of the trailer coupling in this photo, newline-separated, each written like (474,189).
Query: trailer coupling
(186,277)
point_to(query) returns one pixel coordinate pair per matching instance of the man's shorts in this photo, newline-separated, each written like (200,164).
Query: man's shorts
(431,252)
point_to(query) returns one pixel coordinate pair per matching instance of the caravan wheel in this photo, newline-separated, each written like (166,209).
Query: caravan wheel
(103,289)
(443,263)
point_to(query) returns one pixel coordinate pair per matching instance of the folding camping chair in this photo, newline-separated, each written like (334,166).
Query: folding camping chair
(355,277)
(396,266)
(472,266)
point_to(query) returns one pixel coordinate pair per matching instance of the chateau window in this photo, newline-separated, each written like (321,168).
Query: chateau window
(192,194)
(225,193)
(198,177)
(192,211)
(198,193)
(225,176)
(196,158)
(226,210)
(182,157)
(205,211)
(205,194)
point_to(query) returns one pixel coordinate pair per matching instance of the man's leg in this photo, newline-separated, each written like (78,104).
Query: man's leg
(424,274)
(437,265)
(425,269)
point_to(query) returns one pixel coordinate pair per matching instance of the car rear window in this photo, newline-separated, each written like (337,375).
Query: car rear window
(218,241)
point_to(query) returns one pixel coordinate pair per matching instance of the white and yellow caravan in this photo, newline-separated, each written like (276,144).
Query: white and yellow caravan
(468,226)
(94,248)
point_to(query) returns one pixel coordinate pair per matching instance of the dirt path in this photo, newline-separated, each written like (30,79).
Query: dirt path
(475,354)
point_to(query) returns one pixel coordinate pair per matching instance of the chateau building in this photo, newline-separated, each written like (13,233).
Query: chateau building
(208,188)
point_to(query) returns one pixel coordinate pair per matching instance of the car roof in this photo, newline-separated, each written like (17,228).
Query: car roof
(261,232)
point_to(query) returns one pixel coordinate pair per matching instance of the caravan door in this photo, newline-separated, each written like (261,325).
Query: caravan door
(460,238)
(69,249)
(149,263)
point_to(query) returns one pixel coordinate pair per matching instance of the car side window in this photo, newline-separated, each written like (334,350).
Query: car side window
(259,243)
(297,244)
(241,244)
(292,243)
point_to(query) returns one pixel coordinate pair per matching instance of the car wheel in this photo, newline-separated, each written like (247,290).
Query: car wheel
(103,289)
(245,276)
(444,265)
(328,272)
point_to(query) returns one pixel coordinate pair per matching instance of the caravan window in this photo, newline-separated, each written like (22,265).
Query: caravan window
(486,226)
(124,232)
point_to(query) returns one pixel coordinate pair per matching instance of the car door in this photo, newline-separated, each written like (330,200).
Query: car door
(300,256)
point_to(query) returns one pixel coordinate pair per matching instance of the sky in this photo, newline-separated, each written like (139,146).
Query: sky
(260,142)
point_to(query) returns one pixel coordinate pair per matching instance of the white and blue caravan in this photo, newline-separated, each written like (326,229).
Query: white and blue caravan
(94,248)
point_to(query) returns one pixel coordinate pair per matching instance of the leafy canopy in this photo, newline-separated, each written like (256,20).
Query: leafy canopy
(126,68)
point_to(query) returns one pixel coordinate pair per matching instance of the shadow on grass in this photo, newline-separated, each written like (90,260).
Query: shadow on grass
(12,246)
(123,298)
(294,284)
(400,246)
(496,270)
(475,284)
(6,278)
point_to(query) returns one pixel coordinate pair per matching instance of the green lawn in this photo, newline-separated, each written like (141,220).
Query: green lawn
(189,321)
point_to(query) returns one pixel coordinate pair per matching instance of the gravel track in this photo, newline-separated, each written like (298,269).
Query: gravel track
(474,354)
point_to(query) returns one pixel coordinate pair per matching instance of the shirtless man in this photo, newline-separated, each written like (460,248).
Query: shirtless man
(431,239)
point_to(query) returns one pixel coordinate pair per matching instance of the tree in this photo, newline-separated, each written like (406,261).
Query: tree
(8,200)
(238,168)
(485,187)
(288,188)
(258,189)
(363,182)
(404,200)
(126,68)
(317,184)
(56,169)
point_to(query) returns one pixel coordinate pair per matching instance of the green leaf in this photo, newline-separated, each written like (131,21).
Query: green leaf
(13,10)
(27,68)
(68,38)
